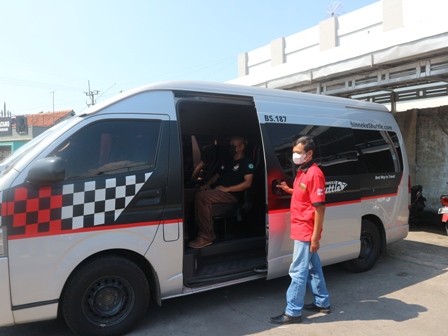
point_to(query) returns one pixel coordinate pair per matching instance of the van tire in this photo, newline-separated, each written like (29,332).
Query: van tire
(370,249)
(106,296)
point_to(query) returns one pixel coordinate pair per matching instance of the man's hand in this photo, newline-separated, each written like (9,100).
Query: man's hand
(224,189)
(207,185)
(204,187)
(314,246)
(318,222)
(285,187)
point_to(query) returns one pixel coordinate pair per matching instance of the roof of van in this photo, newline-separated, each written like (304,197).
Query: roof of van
(236,89)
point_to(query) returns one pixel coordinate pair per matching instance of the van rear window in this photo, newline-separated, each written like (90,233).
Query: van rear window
(377,152)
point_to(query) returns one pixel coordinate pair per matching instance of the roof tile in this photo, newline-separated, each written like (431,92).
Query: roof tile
(47,119)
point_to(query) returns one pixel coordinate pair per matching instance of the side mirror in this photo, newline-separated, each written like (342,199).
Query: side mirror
(46,171)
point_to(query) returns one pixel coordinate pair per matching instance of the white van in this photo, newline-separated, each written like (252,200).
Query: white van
(93,211)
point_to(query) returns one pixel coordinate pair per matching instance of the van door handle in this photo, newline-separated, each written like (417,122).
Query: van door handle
(276,190)
(149,197)
(150,193)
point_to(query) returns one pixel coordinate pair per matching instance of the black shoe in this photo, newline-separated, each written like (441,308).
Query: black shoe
(285,319)
(312,306)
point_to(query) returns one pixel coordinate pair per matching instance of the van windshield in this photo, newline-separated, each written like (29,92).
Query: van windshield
(8,163)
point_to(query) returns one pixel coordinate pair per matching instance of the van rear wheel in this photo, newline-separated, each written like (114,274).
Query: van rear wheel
(105,297)
(370,249)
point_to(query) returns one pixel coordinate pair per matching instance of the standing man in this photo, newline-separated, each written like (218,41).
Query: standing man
(307,216)
(232,179)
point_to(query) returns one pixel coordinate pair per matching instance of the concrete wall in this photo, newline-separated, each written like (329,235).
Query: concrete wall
(425,133)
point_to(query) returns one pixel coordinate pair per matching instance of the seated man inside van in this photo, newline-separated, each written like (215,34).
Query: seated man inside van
(227,186)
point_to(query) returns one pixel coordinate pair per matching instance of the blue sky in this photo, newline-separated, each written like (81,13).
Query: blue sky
(52,48)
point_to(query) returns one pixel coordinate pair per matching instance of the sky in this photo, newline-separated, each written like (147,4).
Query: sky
(52,50)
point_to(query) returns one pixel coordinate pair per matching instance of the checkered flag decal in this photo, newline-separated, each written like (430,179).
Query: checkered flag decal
(74,206)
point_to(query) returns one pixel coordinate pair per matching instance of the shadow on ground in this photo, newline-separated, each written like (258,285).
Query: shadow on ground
(244,309)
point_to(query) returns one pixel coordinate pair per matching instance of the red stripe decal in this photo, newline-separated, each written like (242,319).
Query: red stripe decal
(273,212)
(32,232)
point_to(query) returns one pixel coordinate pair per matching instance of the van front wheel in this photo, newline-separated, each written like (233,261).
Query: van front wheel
(370,249)
(105,297)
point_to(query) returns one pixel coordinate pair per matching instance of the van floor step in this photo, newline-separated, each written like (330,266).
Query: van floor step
(226,271)
(230,267)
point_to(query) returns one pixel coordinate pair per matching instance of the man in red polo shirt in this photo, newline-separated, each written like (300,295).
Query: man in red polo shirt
(307,216)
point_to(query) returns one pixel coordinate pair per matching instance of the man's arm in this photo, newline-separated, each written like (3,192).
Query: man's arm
(197,171)
(238,187)
(207,185)
(318,222)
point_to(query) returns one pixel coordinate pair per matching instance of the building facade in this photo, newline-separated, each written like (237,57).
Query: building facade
(16,131)
(390,52)
(393,52)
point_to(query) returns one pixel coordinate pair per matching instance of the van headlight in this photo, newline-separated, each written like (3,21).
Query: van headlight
(3,242)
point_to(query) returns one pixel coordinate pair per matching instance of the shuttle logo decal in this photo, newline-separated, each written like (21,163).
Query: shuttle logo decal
(334,186)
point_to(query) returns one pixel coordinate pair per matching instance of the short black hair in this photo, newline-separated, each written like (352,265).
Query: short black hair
(240,139)
(307,142)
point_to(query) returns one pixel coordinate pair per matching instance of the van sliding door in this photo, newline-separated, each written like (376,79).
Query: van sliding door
(282,122)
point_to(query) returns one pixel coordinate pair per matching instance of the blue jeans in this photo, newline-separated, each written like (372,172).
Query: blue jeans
(305,268)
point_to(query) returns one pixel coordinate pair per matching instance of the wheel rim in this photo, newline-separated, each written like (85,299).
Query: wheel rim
(367,246)
(108,301)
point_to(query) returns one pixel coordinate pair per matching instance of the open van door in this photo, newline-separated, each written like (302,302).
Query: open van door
(279,245)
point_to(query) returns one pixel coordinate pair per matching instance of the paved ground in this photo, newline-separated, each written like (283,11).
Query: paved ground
(406,293)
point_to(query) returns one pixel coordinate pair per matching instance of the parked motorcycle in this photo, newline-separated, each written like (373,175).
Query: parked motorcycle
(417,205)
(444,211)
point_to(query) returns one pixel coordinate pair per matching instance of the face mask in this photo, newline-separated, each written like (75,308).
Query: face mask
(232,150)
(298,159)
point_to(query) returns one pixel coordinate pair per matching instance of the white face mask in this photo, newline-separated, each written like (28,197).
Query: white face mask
(298,159)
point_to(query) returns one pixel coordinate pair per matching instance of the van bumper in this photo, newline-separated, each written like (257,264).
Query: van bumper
(6,317)
(397,233)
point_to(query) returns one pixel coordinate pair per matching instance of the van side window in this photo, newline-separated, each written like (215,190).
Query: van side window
(110,147)
(335,150)
(376,152)
(335,147)
(282,137)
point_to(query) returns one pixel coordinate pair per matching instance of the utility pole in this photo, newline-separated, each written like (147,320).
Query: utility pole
(52,92)
(92,95)
(5,113)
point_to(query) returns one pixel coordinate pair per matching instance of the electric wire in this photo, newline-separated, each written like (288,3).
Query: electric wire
(167,76)
(42,85)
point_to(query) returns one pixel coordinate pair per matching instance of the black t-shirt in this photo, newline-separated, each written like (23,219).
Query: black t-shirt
(232,173)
